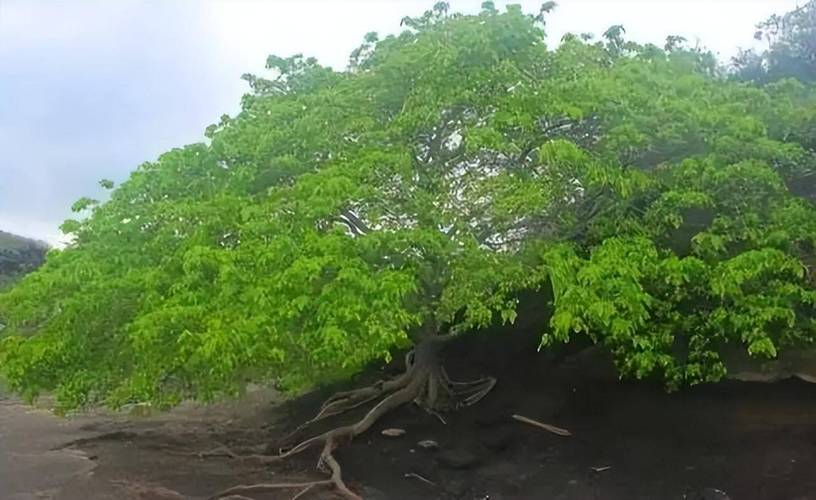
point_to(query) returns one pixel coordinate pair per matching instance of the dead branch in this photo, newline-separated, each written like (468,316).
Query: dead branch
(417,476)
(542,425)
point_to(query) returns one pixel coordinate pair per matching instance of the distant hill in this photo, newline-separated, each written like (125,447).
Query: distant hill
(18,256)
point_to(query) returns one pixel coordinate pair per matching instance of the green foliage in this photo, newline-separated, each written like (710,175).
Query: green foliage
(342,215)
(791,52)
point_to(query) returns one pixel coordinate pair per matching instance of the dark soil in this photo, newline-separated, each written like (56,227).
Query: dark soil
(631,440)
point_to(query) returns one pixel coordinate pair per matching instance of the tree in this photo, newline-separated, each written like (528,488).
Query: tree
(343,217)
(791,51)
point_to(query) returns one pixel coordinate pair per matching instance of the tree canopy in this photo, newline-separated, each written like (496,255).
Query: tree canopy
(791,51)
(344,215)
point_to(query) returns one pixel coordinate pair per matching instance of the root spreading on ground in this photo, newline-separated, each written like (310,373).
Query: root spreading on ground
(424,382)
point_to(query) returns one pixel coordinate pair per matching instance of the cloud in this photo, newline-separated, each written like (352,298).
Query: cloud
(91,90)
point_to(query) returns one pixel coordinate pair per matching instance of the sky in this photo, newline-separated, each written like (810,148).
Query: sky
(90,89)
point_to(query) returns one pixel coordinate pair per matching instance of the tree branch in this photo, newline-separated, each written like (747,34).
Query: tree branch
(359,227)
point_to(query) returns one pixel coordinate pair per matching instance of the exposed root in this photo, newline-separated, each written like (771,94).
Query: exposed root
(326,462)
(442,393)
(303,492)
(348,432)
(424,382)
(343,402)
(219,451)
(471,392)
(225,451)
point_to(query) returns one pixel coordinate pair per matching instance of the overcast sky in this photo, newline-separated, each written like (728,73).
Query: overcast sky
(91,89)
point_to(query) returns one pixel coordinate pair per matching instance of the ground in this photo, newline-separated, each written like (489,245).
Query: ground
(630,440)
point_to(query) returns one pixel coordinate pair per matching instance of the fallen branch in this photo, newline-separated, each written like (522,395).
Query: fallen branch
(417,476)
(542,425)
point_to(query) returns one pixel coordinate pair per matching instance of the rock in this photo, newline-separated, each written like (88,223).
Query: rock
(458,459)
(393,432)
(428,444)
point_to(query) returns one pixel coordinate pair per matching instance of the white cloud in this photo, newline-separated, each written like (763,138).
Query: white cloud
(248,30)
(66,22)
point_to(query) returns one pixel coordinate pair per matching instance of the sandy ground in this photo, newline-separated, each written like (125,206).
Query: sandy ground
(29,466)
(118,456)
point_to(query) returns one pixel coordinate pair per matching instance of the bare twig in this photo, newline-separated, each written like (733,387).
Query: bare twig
(542,425)
(417,476)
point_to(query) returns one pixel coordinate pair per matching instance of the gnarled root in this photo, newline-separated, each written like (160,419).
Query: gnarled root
(326,462)
(442,393)
(342,402)
(424,382)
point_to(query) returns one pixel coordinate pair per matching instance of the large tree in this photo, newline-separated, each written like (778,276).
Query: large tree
(342,217)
